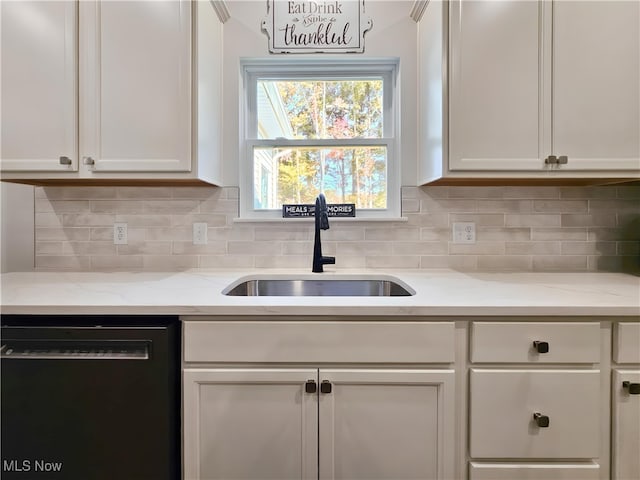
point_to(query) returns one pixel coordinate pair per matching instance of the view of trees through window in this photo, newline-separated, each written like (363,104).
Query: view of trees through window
(326,110)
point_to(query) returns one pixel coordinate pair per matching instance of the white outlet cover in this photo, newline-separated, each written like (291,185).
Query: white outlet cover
(464,232)
(120,235)
(200,233)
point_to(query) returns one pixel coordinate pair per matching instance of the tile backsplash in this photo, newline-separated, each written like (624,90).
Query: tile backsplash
(517,228)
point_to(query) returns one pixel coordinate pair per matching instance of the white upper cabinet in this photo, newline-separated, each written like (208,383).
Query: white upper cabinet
(103,90)
(532,90)
(494,108)
(39,88)
(135,90)
(596,84)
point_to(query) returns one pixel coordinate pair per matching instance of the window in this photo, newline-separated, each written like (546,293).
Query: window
(315,126)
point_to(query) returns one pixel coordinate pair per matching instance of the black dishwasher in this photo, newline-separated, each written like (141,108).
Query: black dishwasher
(90,397)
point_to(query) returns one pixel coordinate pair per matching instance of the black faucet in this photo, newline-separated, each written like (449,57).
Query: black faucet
(322,223)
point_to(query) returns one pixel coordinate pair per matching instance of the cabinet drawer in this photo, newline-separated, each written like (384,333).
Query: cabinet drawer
(534,471)
(504,342)
(626,346)
(319,342)
(503,404)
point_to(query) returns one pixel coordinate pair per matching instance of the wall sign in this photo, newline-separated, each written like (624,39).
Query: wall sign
(316,26)
(308,210)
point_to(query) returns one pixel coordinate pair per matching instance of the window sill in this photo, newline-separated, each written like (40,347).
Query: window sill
(311,220)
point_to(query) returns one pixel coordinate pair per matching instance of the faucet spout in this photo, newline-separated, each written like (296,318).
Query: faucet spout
(321,223)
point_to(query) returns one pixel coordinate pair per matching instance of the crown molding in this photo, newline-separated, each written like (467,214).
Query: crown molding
(221,9)
(419,6)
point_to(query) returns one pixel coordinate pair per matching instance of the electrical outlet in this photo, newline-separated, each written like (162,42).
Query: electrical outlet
(200,233)
(120,234)
(464,232)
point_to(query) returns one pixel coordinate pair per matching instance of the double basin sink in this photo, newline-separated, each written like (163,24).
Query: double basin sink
(303,286)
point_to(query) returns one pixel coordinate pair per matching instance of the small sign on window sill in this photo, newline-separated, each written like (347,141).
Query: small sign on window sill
(308,210)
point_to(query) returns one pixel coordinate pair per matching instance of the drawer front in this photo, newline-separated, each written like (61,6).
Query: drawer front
(325,342)
(503,404)
(505,342)
(534,471)
(626,346)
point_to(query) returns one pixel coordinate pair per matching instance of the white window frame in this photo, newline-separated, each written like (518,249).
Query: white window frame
(344,68)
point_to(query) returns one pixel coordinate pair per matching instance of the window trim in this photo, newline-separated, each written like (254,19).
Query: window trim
(252,69)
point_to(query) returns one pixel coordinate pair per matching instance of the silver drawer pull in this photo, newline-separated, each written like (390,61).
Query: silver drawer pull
(65,161)
(88,161)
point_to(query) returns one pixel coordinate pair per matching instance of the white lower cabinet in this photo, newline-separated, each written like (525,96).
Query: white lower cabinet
(626,425)
(318,423)
(535,401)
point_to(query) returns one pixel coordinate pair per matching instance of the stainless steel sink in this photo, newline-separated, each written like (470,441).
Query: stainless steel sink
(318,288)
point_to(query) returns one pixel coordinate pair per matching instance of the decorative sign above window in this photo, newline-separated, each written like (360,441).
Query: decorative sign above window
(308,26)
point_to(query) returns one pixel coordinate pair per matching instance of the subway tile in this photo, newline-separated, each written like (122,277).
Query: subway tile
(61,262)
(588,248)
(188,248)
(175,207)
(106,234)
(254,248)
(429,234)
(619,263)
(285,234)
(629,248)
(505,262)
(78,193)
(144,220)
(628,191)
(428,220)
(87,219)
(145,248)
(540,233)
(478,248)
(117,206)
(409,192)
(487,234)
(303,248)
(364,248)
(290,261)
(116,262)
(143,193)
(220,205)
(201,192)
(420,248)
(47,220)
(62,206)
(49,248)
(560,206)
(568,263)
(169,262)
(621,206)
(531,192)
(393,261)
(480,219)
(476,192)
(238,232)
(66,233)
(89,248)
(455,262)
(342,234)
(395,234)
(588,192)
(505,206)
(211,219)
(532,248)
(180,234)
(410,205)
(532,220)
(226,261)
(588,220)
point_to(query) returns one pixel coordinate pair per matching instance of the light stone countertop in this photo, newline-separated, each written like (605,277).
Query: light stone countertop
(438,293)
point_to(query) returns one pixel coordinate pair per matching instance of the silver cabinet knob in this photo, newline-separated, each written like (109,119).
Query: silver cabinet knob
(65,161)
(88,161)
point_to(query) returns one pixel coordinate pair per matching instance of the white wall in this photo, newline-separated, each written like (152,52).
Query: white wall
(17,227)
(394,34)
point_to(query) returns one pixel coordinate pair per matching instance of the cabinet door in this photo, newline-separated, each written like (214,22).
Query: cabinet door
(39,86)
(382,424)
(495,107)
(596,78)
(626,427)
(135,77)
(250,424)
